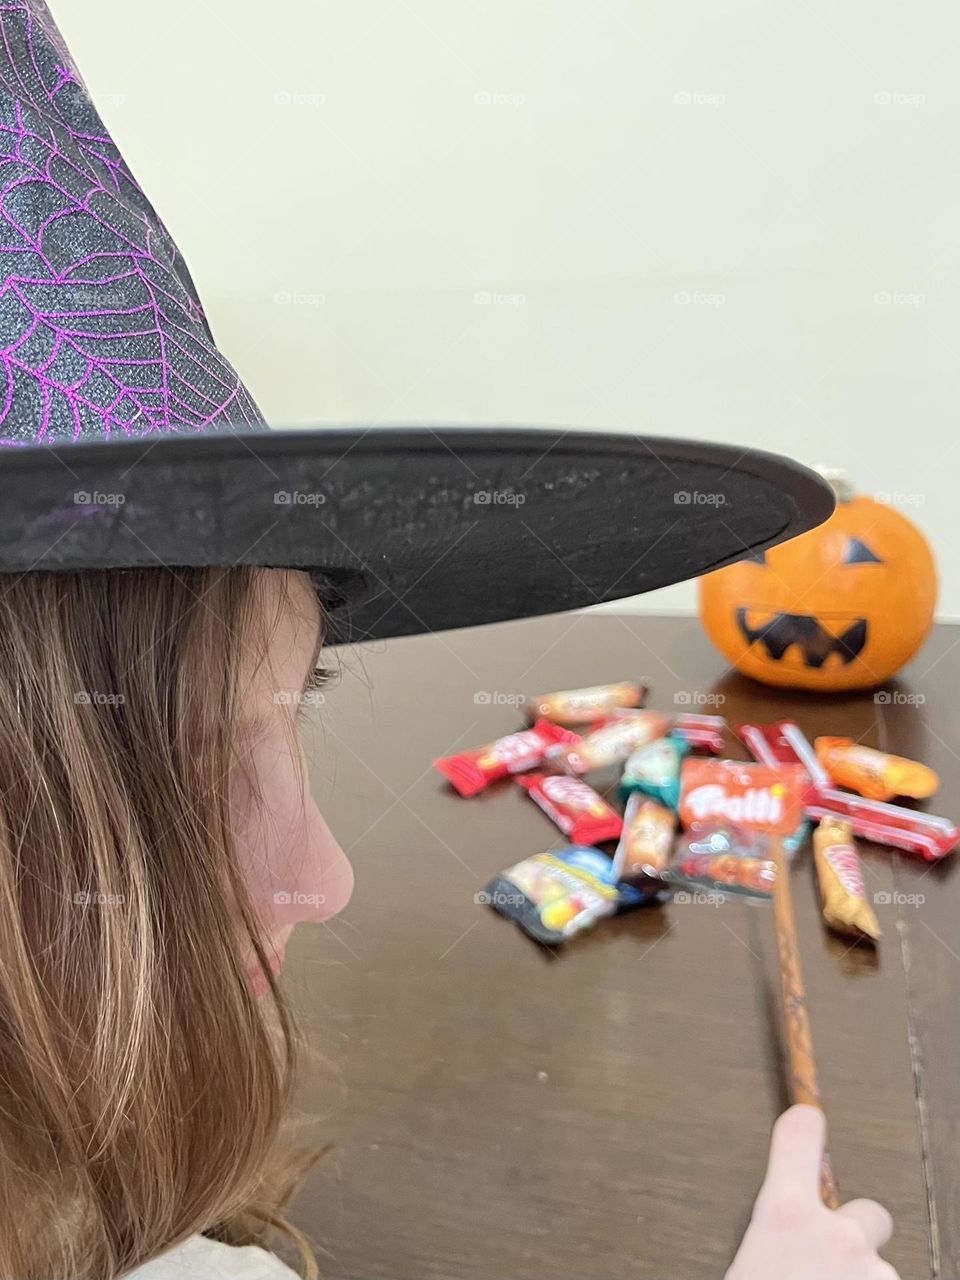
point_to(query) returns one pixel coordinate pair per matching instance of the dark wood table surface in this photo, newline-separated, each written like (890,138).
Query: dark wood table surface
(500,1112)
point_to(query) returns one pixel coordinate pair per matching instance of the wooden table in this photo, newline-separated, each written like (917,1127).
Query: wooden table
(504,1113)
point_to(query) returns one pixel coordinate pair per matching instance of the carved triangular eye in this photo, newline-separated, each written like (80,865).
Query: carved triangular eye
(858,552)
(756,557)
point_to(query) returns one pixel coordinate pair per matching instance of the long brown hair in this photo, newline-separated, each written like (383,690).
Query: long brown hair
(142,1086)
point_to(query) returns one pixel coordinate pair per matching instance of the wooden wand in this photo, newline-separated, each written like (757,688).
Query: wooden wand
(802,1068)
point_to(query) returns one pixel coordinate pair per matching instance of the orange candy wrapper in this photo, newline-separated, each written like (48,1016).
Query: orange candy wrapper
(874,774)
(846,907)
(585,706)
(754,796)
(647,841)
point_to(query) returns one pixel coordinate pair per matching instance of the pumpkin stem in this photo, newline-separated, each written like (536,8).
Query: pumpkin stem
(839,482)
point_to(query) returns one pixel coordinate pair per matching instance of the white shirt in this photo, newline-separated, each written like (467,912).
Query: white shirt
(201,1259)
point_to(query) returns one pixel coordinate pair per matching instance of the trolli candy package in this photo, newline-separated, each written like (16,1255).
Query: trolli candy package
(874,774)
(610,743)
(655,770)
(581,813)
(647,840)
(725,858)
(554,895)
(471,771)
(585,706)
(754,796)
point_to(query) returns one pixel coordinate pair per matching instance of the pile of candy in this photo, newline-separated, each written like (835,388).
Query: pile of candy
(690,819)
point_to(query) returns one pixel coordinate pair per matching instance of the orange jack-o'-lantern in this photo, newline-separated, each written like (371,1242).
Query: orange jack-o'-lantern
(841,607)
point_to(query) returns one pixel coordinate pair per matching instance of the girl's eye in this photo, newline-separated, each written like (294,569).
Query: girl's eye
(318,678)
(315,682)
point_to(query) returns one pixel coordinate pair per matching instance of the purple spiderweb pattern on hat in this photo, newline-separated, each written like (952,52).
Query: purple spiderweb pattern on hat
(101,329)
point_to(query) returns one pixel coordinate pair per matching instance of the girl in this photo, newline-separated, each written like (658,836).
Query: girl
(158,841)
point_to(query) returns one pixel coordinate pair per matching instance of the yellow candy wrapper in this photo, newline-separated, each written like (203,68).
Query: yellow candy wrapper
(846,907)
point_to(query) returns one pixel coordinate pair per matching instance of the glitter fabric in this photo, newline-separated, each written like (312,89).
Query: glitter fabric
(102,333)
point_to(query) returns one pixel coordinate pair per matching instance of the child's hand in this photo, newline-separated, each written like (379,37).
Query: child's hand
(792,1235)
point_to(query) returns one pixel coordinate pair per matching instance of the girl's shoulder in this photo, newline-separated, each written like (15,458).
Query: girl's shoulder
(201,1259)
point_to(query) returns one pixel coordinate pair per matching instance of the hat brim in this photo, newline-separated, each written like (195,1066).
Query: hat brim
(412,529)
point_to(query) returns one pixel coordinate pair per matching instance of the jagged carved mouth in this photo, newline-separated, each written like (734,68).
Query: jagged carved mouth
(778,631)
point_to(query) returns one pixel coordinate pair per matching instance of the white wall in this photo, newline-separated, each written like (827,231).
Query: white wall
(380,162)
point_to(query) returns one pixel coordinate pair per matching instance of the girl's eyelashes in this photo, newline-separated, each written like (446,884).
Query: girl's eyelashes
(317,678)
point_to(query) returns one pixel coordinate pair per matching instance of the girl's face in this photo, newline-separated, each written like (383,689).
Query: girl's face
(293,866)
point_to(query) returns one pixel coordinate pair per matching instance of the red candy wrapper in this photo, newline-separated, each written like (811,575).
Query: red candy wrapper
(754,796)
(471,771)
(581,813)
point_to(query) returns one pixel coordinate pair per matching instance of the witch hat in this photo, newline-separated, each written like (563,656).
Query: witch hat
(128,440)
